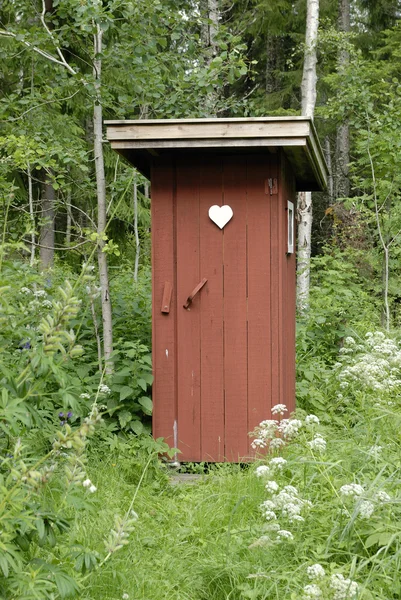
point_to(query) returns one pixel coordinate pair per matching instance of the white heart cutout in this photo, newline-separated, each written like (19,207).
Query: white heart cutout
(220,215)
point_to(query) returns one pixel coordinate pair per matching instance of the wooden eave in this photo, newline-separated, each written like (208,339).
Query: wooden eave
(142,141)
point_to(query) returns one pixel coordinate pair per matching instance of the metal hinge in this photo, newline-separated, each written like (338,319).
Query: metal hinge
(271,186)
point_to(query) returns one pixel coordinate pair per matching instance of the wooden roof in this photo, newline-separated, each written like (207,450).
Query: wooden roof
(141,141)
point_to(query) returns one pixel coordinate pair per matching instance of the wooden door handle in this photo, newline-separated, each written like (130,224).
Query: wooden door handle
(194,292)
(168,288)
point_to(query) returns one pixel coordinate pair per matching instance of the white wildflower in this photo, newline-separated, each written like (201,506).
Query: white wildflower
(272,486)
(258,443)
(279,409)
(85,396)
(278,463)
(312,420)
(125,597)
(289,428)
(25,290)
(262,471)
(318,443)
(270,515)
(92,489)
(276,443)
(382,496)
(47,304)
(344,589)
(366,509)
(104,389)
(40,294)
(288,503)
(352,489)
(283,534)
(311,592)
(87,483)
(315,571)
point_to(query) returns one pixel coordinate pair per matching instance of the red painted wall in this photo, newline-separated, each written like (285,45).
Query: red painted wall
(222,364)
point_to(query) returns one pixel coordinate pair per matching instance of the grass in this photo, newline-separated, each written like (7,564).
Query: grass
(209,541)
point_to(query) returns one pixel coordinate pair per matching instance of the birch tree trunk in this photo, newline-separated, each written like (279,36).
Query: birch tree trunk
(31,215)
(342,141)
(69,220)
(137,244)
(304,209)
(46,239)
(101,206)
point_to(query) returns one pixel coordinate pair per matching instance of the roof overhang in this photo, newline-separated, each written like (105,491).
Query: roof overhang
(141,141)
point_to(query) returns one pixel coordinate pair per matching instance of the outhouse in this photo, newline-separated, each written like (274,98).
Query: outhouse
(223,271)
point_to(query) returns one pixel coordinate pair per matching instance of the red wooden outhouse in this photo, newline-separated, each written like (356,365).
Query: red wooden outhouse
(223,271)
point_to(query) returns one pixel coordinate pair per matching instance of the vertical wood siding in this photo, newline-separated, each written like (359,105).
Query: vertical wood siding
(232,353)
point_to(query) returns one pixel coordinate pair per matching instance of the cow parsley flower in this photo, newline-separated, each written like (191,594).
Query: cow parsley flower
(276,443)
(279,409)
(262,471)
(318,443)
(366,509)
(352,489)
(272,486)
(315,571)
(311,592)
(258,443)
(344,589)
(382,496)
(25,290)
(283,534)
(278,463)
(85,396)
(312,420)
(92,489)
(289,428)
(104,389)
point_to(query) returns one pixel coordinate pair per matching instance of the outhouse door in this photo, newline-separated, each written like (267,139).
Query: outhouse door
(219,347)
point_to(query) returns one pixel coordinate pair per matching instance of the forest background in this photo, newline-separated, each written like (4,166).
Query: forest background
(75,355)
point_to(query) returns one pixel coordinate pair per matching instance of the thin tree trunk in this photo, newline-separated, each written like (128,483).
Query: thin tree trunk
(69,220)
(209,31)
(97,336)
(327,155)
(101,206)
(46,239)
(31,215)
(137,244)
(308,90)
(342,141)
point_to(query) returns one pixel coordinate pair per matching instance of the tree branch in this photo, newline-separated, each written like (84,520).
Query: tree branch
(39,51)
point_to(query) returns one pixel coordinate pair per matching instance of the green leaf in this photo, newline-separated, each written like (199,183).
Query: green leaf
(382,538)
(143,384)
(124,418)
(125,392)
(146,404)
(137,427)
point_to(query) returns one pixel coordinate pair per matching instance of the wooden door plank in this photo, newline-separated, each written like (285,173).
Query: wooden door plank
(163,330)
(188,320)
(259,169)
(211,302)
(235,311)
